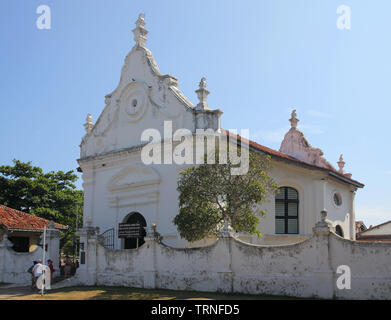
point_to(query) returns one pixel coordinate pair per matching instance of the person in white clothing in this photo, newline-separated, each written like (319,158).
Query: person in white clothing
(37,271)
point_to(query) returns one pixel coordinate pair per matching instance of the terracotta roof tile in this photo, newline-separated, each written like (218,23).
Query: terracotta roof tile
(18,220)
(374,237)
(375,227)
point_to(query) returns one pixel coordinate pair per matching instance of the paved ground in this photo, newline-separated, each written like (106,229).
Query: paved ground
(119,293)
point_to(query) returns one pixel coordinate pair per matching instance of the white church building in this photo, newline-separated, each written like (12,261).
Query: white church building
(120,189)
(128,236)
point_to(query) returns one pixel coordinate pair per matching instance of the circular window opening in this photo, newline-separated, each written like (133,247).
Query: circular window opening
(134,103)
(337,199)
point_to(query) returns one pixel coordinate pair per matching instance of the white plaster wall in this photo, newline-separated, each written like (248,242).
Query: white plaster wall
(305,269)
(158,202)
(316,192)
(14,265)
(369,263)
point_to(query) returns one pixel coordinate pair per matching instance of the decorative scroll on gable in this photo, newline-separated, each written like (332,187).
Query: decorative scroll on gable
(296,145)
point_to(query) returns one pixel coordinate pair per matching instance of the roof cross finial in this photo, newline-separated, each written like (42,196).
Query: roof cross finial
(293,120)
(140,33)
(341,164)
(202,94)
(88,125)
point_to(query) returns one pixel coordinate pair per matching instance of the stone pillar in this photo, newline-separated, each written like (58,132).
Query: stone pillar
(353,218)
(225,275)
(320,197)
(89,194)
(4,245)
(150,271)
(53,243)
(323,275)
(87,271)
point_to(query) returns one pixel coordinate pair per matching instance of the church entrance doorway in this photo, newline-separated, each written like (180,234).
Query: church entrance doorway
(134,230)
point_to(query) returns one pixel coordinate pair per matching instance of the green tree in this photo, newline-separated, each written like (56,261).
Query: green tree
(51,196)
(209,195)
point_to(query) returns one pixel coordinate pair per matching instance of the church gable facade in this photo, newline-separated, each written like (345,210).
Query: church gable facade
(120,189)
(144,98)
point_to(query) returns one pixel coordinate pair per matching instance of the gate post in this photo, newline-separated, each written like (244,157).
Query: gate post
(323,275)
(150,244)
(4,245)
(225,275)
(87,272)
(53,241)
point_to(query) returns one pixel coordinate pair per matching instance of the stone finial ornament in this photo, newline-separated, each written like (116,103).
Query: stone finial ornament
(88,125)
(322,227)
(341,164)
(151,233)
(140,33)
(323,215)
(296,145)
(203,83)
(293,120)
(202,94)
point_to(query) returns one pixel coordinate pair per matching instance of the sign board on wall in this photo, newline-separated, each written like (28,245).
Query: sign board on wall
(129,230)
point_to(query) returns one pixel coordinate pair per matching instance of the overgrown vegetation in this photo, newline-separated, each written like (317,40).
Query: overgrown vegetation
(209,195)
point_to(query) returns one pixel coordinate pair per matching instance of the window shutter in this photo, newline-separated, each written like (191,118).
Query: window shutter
(280,226)
(287,211)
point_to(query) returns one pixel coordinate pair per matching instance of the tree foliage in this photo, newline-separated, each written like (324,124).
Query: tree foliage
(209,194)
(51,195)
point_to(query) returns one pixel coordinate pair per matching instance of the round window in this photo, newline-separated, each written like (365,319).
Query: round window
(337,199)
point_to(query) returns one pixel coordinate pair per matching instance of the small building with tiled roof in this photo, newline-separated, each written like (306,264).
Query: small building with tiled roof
(23,229)
(380,232)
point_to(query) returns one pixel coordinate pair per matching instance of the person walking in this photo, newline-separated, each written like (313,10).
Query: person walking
(30,270)
(68,266)
(50,265)
(37,272)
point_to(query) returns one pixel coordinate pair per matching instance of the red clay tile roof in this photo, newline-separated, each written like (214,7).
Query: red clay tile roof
(17,220)
(283,156)
(374,227)
(374,237)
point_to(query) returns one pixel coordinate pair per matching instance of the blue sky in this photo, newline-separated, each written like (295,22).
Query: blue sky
(261,59)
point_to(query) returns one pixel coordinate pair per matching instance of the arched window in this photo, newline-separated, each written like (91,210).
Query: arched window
(133,242)
(338,230)
(287,211)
